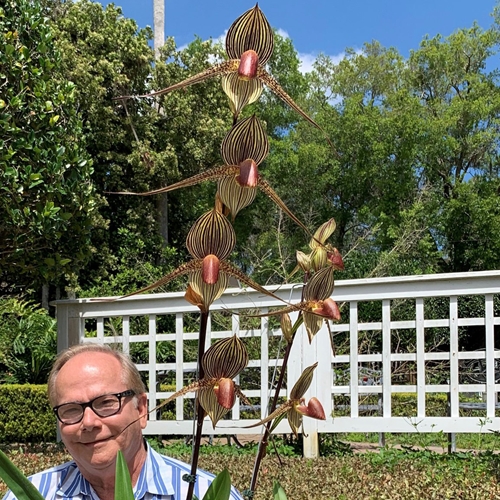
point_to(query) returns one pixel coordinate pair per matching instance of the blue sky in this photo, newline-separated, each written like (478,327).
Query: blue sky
(321,26)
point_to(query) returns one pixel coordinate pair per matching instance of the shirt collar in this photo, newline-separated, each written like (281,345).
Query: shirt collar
(155,477)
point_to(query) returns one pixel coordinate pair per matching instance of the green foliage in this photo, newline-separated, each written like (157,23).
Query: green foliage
(25,414)
(16,481)
(220,488)
(278,492)
(44,169)
(123,483)
(28,342)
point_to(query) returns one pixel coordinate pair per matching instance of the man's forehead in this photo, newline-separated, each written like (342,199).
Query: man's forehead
(92,363)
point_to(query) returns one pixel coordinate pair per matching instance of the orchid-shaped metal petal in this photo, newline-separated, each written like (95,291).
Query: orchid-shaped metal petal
(217,391)
(321,284)
(323,252)
(294,407)
(240,92)
(249,45)
(212,234)
(314,313)
(251,31)
(225,359)
(247,139)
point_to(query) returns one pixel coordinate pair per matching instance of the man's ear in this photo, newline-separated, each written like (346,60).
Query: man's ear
(142,408)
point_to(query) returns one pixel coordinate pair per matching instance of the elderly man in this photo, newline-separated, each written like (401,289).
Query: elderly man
(101,406)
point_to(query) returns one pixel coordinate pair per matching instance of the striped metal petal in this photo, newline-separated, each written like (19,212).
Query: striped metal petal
(180,271)
(269,191)
(241,92)
(321,284)
(278,90)
(322,234)
(212,234)
(234,196)
(246,140)
(251,31)
(313,324)
(225,359)
(284,408)
(207,175)
(208,401)
(230,270)
(216,70)
(303,383)
(205,293)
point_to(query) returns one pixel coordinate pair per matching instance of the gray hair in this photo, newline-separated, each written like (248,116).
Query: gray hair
(130,374)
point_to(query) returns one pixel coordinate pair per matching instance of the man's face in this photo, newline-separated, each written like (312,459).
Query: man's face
(94,441)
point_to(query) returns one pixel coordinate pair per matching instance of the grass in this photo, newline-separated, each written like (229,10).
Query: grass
(396,474)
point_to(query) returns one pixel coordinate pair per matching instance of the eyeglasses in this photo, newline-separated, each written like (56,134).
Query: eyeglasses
(102,406)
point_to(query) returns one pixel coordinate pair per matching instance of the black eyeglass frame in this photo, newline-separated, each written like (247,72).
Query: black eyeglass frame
(89,404)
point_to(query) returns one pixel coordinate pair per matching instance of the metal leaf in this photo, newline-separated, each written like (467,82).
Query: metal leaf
(225,359)
(230,270)
(246,140)
(241,92)
(321,284)
(251,31)
(285,407)
(180,271)
(303,383)
(212,234)
(234,196)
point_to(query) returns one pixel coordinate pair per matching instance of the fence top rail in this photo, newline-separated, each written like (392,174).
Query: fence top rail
(394,287)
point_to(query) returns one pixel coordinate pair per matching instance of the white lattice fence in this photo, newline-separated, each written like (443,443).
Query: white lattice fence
(160,330)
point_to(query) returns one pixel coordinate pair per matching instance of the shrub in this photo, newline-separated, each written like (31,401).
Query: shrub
(28,342)
(25,414)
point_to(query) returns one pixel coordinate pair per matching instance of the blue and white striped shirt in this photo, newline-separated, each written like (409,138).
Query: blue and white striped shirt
(160,479)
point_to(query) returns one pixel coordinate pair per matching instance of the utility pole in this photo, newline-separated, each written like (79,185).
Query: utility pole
(158,25)
(158,42)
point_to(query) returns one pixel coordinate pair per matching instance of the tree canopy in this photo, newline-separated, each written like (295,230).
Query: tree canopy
(47,203)
(412,181)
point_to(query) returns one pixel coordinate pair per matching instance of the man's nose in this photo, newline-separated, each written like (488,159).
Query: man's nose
(90,419)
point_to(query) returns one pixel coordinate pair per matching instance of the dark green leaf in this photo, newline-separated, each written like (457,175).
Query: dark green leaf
(16,481)
(123,483)
(278,492)
(220,489)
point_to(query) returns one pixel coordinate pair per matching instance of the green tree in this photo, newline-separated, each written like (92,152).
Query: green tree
(47,202)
